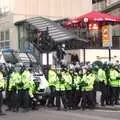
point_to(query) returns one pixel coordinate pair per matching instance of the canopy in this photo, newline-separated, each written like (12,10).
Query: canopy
(93,16)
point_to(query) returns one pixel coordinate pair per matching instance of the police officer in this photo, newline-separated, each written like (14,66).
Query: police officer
(2,87)
(20,86)
(87,89)
(60,91)
(26,80)
(68,86)
(7,73)
(101,76)
(77,82)
(113,82)
(14,79)
(52,76)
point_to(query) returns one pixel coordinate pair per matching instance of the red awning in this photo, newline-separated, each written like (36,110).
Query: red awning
(94,16)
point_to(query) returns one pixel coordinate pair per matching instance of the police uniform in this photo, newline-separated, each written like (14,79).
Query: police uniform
(101,76)
(61,91)
(2,86)
(52,76)
(26,80)
(13,90)
(114,83)
(87,90)
(68,86)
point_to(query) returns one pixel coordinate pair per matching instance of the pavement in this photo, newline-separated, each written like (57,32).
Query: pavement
(52,114)
(114,108)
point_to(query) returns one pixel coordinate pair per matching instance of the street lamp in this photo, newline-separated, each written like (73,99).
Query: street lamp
(85,20)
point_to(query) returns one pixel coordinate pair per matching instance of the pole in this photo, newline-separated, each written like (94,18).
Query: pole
(109,50)
(47,53)
(84,58)
(47,63)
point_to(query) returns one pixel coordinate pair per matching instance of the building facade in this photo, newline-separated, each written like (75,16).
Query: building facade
(55,9)
(112,7)
(12,11)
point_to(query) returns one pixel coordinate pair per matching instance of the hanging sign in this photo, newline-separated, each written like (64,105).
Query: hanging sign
(107,36)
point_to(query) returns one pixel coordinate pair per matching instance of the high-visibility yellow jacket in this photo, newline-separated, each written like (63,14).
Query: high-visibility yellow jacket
(14,80)
(2,81)
(113,81)
(89,80)
(101,76)
(52,77)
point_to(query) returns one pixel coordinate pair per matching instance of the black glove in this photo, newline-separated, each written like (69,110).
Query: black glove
(20,84)
(1,89)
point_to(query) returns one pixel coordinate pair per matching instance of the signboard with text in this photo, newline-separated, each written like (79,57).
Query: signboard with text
(107,36)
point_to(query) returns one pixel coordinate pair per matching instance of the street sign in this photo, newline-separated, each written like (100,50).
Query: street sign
(29,50)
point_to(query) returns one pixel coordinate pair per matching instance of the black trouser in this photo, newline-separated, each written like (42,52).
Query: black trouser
(52,96)
(8,100)
(14,100)
(108,96)
(1,101)
(114,93)
(103,90)
(69,98)
(20,98)
(73,97)
(76,98)
(24,98)
(87,100)
(95,89)
(61,95)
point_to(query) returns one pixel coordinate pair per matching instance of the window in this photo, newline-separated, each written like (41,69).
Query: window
(7,44)
(1,45)
(5,39)
(2,36)
(7,35)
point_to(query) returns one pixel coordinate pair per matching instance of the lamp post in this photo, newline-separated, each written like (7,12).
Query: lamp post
(85,20)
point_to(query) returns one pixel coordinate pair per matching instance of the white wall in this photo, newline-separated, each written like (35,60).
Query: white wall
(95,54)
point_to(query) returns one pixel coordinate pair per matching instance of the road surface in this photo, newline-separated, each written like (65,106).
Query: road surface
(52,114)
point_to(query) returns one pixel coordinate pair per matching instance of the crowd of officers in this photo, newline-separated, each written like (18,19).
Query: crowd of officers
(73,88)
(19,86)
(78,87)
